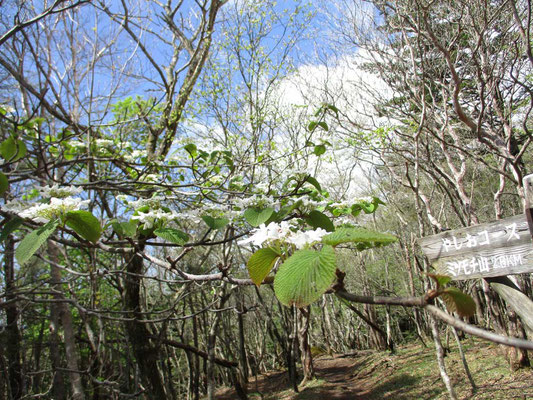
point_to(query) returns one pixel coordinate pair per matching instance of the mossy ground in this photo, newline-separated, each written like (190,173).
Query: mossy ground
(410,373)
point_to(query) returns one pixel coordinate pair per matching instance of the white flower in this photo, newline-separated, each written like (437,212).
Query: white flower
(345,219)
(255,201)
(268,233)
(284,233)
(8,109)
(153,178)
(104,142)
(148,219)
(303,239)
(134,155)
(77,144)
(15,206)
(59,192)
(262,186)
(192,216)
(57,207)
(153,202)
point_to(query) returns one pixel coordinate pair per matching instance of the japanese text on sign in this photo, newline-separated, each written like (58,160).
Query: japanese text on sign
(480,264)
(477,240)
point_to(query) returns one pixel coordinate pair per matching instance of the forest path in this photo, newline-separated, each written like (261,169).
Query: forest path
(411,373)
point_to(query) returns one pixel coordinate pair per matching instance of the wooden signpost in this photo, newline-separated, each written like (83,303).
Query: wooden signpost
(490,251)
(498,248)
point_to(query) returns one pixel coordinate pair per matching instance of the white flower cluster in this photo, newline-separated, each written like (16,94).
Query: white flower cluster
(307,202)
(284,232)
(104,143)
(345,220)
(219,210)
(153,202)
(255,201)
(340,204)
(263,186)
(58,191)
(44,212)
(77,144)
(134,155)
(57,201)
(192,216)
(151,178)
(149,218)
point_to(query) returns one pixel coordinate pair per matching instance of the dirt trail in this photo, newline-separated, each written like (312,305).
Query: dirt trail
(338,378)
(413,374)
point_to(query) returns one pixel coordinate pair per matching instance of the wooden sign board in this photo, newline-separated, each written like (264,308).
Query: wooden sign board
(497,248)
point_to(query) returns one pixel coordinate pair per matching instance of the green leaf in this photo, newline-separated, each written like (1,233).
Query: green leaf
(440,280)
(10,227)
(319,220)
(319,150)
(377,200)
(323,125)
(332,108)
(305,276)
(8,148)
(368,208)
(314,182)
(357,235)
(312,125)
(126,229)
(356,210)
(4,184)
(172,235)
(84,224)
(215,223)
(257,216)
(458,301)
(260,264)
(12,149)
(33,241)
(191,149)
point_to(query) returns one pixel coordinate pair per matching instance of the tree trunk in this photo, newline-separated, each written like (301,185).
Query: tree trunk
(305,348)
(13,338)
(211,342)
(243,362)
(146,354)
(293,351)
(463,360)
(440,359)
(65,318)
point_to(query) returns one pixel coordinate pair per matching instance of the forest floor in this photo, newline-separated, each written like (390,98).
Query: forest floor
(410,373)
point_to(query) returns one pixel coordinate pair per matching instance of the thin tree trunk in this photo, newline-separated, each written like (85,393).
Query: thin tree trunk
(440,359)
(463,360)
(211,342)
(293,340)
(37,351)
(13,338)
(243,362)
(65,317)
(305,348)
